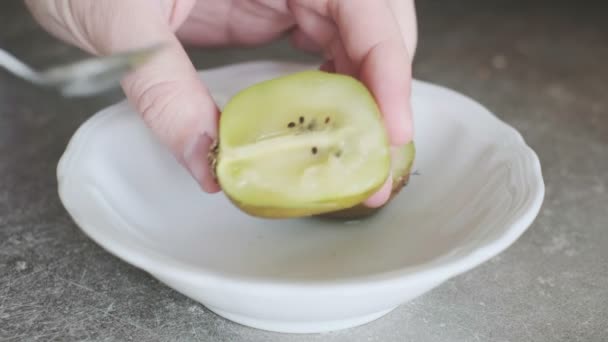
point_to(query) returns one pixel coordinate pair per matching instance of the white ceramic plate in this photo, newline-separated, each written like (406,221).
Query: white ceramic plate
(480,186)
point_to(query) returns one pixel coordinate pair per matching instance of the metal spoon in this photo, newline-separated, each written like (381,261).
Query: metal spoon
(81,78)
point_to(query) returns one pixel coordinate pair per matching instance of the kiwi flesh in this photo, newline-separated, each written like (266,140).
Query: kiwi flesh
(305,144)
(402,161)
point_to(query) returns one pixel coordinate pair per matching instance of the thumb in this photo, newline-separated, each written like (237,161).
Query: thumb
(178,108)
(166,90)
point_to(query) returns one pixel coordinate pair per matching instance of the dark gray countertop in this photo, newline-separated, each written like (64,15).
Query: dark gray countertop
(542,68)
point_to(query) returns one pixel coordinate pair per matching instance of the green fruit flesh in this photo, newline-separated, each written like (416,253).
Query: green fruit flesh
(302,144)
(402,159)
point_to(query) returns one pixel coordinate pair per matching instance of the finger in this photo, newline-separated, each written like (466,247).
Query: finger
(78,22)
(173,102)
(342,63)
(242,23)
(176,11)
(378,50)
(318,28)
(404,12)
(302,41)
(328,66)
(166,91)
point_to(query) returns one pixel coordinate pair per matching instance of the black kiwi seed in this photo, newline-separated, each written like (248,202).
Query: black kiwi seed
(338,154)
(291,125)
(314,150)
(327,119)
(301,119)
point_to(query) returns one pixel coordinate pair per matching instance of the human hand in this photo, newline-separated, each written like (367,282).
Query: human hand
(372,40)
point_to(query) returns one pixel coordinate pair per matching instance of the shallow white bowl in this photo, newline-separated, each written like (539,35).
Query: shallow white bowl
(480,186)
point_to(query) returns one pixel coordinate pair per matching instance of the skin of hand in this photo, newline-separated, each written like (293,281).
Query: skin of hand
(372,40)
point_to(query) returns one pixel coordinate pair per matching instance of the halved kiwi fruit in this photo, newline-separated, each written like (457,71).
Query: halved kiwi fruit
(305,144)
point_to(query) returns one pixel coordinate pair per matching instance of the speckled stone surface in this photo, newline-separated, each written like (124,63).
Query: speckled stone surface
(541,67)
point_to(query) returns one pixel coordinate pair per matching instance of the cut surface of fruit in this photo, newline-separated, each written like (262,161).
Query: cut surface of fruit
(301,144)
(402,160)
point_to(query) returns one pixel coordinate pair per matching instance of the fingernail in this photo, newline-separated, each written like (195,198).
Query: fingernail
(196,161)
